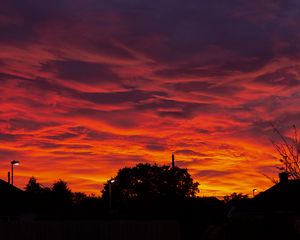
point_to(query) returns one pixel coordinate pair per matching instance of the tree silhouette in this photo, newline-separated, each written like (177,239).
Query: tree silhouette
(79,197)
(62,195)
(145,181)
(234,197)
(39,196)
(289,150)
(33,187)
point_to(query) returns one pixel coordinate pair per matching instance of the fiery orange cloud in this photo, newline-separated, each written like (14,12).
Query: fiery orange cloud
(89,87)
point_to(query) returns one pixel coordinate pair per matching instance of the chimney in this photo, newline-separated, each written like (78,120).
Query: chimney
(283,177)
(173,161)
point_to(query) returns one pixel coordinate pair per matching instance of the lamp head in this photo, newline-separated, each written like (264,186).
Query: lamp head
(15,162)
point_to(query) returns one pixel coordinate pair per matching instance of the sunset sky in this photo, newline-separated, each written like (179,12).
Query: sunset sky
(90,86)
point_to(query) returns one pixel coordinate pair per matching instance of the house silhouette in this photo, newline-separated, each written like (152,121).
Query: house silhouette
(283,196)
(272,214)
(12,200)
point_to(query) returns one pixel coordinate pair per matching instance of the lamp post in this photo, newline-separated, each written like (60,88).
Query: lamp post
(12,163)
(110,182)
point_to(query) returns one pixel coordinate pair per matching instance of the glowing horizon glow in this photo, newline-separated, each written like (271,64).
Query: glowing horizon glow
(87,88)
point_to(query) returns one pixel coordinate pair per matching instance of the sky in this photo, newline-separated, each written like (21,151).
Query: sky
(88,87)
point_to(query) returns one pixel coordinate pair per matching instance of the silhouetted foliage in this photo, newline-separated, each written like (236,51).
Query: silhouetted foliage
(79,197)
(235,197)
(33,187)
(145,181)
(62,195)
(289,151)
(40,197)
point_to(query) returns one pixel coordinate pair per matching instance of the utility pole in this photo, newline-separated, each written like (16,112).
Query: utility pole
(173,161)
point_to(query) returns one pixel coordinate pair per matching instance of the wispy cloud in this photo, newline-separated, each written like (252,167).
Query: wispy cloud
(88,87)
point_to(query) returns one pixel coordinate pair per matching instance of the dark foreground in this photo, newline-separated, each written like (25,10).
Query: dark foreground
(272,227)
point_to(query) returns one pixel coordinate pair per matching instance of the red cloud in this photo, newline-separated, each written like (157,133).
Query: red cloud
(89,87)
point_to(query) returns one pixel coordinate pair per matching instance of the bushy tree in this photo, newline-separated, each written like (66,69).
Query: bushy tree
(39,196)
(79,197)
(235,197)
(62,195)
(145,181)
(33,187)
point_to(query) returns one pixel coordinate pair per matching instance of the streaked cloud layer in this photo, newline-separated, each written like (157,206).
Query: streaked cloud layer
(88,87)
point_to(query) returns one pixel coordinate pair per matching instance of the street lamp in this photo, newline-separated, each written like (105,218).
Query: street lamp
(110,182)
(14,162)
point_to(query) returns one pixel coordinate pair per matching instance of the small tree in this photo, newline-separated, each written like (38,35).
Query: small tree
(40,197)
(79,197)
(33,187)
(234,197)
(289,150)
(61,193)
